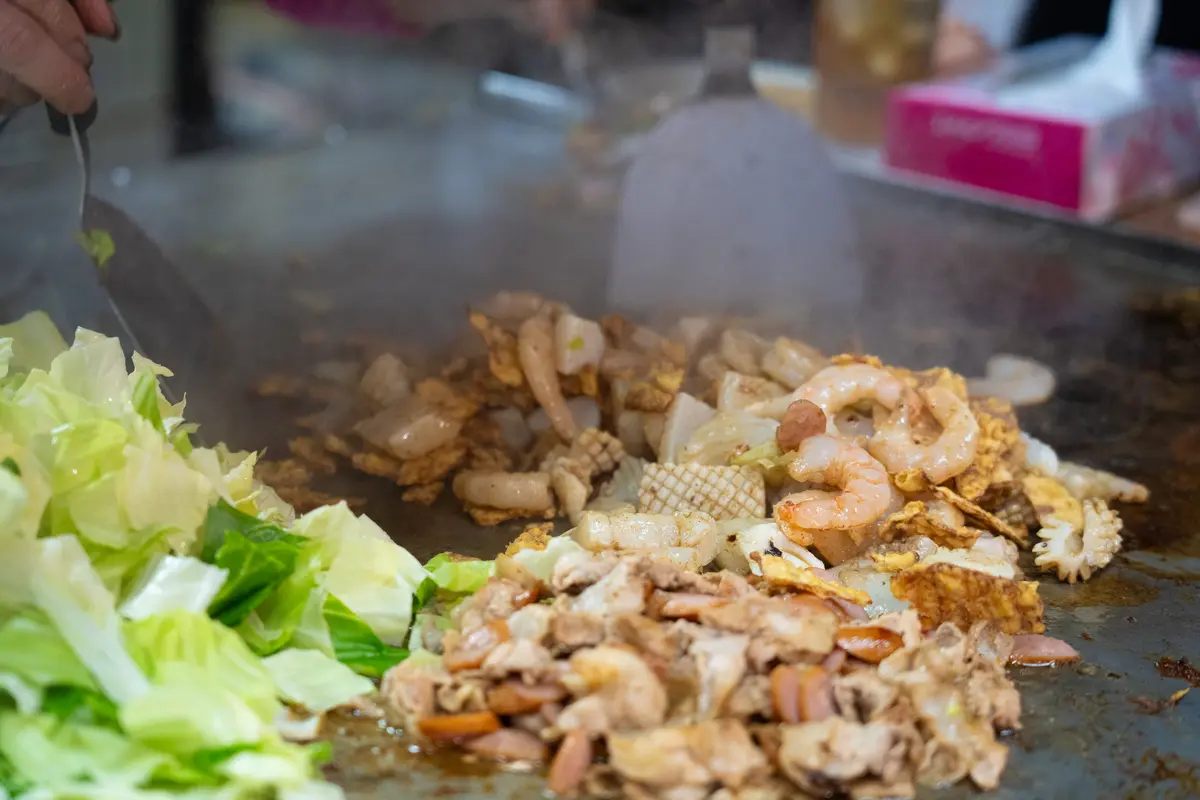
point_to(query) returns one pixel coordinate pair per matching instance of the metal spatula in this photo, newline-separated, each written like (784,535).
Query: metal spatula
(154,307)
(734,206)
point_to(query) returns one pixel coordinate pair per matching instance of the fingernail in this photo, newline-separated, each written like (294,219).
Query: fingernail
(80,53)
(116,34)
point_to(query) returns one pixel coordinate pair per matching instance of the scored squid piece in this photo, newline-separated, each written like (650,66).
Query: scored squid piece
(650,532)
(721,492)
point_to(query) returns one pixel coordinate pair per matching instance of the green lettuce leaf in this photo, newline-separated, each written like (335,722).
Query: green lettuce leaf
(34,341)
(258,557)
(32,648)
(77,705)
(173,583)
(193,640)
(52,754)
(68,591)
(372,575)
(457,576)
(314,680)
(355,644)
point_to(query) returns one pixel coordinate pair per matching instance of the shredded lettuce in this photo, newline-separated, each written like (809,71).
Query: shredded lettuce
(314,680)
(142,578)
(172,583)
(458,576)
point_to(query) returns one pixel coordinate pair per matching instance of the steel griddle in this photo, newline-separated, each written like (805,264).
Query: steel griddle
(447,212)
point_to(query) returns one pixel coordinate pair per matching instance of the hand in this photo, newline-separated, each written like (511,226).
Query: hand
(44,52)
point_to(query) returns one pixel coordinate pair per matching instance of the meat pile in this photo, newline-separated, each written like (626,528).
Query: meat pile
(627,676)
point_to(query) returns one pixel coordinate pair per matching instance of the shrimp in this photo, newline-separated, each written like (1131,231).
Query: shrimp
(940,460)
(535,349)
(515,490)
(1021,381)
(865,492)
(838,387)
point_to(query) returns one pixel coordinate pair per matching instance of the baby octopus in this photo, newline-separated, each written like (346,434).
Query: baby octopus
(940,460)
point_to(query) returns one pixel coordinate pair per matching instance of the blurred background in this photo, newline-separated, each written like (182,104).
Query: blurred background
(352,176)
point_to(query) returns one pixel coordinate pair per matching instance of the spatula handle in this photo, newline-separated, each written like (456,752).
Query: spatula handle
(728,56)
(60,125)
(58,120)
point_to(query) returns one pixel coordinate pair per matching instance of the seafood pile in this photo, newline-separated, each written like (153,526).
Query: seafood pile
(545,414)
(783,570)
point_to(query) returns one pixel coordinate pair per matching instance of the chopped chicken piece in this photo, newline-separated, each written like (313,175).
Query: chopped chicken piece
(573,630)
(719,752)
(780,573)
(535,537)
(949,593)
(497,600)
(836,752)
(720,667)
(916,520)
(1076,554)
(622,591)
(617,691)
(408,690)
(776,630)
(721,492)
(385,383)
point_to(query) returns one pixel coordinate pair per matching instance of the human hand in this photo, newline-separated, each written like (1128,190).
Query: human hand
(44,52)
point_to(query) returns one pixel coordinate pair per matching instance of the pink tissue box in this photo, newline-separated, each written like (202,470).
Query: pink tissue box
(1088,161)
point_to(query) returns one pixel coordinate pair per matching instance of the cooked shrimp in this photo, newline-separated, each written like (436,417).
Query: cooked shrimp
(535,348)
(792,363)
(516,490)
(942,459)
(1021,381)
(864,495)
(839,387)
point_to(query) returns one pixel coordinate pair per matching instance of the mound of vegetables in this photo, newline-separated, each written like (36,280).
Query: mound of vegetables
(162,615)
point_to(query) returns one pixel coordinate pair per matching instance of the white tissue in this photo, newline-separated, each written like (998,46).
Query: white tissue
(1109,79)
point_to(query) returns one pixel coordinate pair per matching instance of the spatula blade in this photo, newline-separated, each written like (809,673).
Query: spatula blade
(166,316)
(733,205)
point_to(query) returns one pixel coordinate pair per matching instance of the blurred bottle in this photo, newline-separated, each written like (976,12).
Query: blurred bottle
(863,48)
